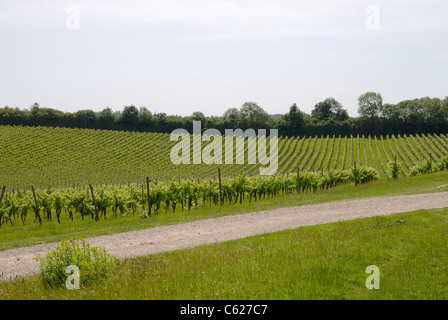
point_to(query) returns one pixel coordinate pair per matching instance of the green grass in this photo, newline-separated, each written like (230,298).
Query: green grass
(33,233)
(317,262)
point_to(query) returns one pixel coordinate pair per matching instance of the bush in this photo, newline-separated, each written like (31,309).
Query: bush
(93,263)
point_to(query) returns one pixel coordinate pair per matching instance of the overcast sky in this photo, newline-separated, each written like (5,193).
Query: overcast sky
(181,56)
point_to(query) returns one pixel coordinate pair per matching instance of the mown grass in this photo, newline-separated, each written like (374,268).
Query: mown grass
(33,233)
(317,262)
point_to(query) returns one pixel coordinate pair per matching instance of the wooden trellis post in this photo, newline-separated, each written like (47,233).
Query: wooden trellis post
(97,218)
(3,193)
(298,180)
(220,187)
(37,207)
(149,198)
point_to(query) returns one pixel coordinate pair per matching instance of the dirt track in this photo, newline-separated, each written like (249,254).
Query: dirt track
(21,261)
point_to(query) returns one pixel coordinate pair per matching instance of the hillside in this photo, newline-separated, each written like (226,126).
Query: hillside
(45,156)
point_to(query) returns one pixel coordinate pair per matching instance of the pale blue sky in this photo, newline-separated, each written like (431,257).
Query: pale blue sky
(179,56)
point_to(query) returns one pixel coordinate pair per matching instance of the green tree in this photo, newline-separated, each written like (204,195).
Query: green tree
(144,118)
(106,115)
(294,121)
(370,105)
(341,115)
(253,116)
(444,108)
(411,111)
(390,111)
(432,110)
(329,108)
(231,113)
(34,108)
(160,120)
(129,117)
(106,119)
(85,118)
(198,116)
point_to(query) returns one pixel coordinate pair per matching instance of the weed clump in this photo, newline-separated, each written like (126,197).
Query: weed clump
(93,263)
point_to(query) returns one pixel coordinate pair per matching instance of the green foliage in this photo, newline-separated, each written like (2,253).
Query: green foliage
(169,195)
(129,117)
(93,263)
(232,113)
(198,116)
(56,157)
(370,105)
(422,168)
(394,169)
(329,108)
(442,165)
(363,174)
(254,116)
(328,117)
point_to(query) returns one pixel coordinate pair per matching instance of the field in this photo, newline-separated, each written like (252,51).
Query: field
(320,262)
(43,156)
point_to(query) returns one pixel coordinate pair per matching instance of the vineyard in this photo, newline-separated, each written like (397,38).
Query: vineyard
(45,156)
(154,198)
(80,173)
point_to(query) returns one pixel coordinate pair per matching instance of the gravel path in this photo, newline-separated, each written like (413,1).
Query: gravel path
(21,261)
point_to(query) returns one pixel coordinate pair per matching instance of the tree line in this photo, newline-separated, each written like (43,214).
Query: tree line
(328,117)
